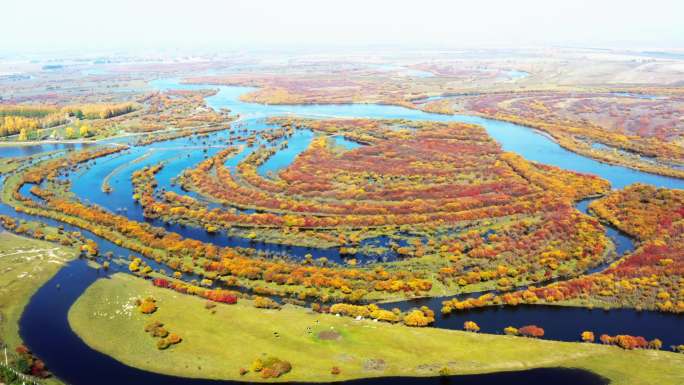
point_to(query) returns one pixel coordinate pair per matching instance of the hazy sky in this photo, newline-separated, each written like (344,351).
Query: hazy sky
(92,24)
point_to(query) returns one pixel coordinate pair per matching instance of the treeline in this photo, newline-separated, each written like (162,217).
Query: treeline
(25,120)
(25,124)
(27,111)
(99,111)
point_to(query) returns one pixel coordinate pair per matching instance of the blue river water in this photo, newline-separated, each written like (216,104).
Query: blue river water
(346,143)
(299,142)
(45,329)
(525,141)
(8,151)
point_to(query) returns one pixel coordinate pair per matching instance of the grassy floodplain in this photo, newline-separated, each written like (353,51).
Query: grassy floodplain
(25,265)
(216,345)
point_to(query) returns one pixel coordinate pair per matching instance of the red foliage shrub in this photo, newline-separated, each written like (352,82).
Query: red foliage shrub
(631,342)
(160,282)
(625,341)
(531,331)
(221,296)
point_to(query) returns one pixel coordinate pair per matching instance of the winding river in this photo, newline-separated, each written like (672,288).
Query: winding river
(44,324)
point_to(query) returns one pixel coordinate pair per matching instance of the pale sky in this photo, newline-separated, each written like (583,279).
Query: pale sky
(99,24)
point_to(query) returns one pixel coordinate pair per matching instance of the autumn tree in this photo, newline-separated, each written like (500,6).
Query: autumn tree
(511,331)
(533,331)
(471,326)
(587,336)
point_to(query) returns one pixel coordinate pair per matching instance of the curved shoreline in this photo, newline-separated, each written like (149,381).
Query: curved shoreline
(310,359)
(105,187)
(34,314)
(410,104)
(662,171)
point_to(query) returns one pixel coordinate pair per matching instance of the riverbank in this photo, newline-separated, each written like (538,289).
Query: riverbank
(109,140)
(105,186)
(441,106)
(580,148)
(218,342)
(25,265)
